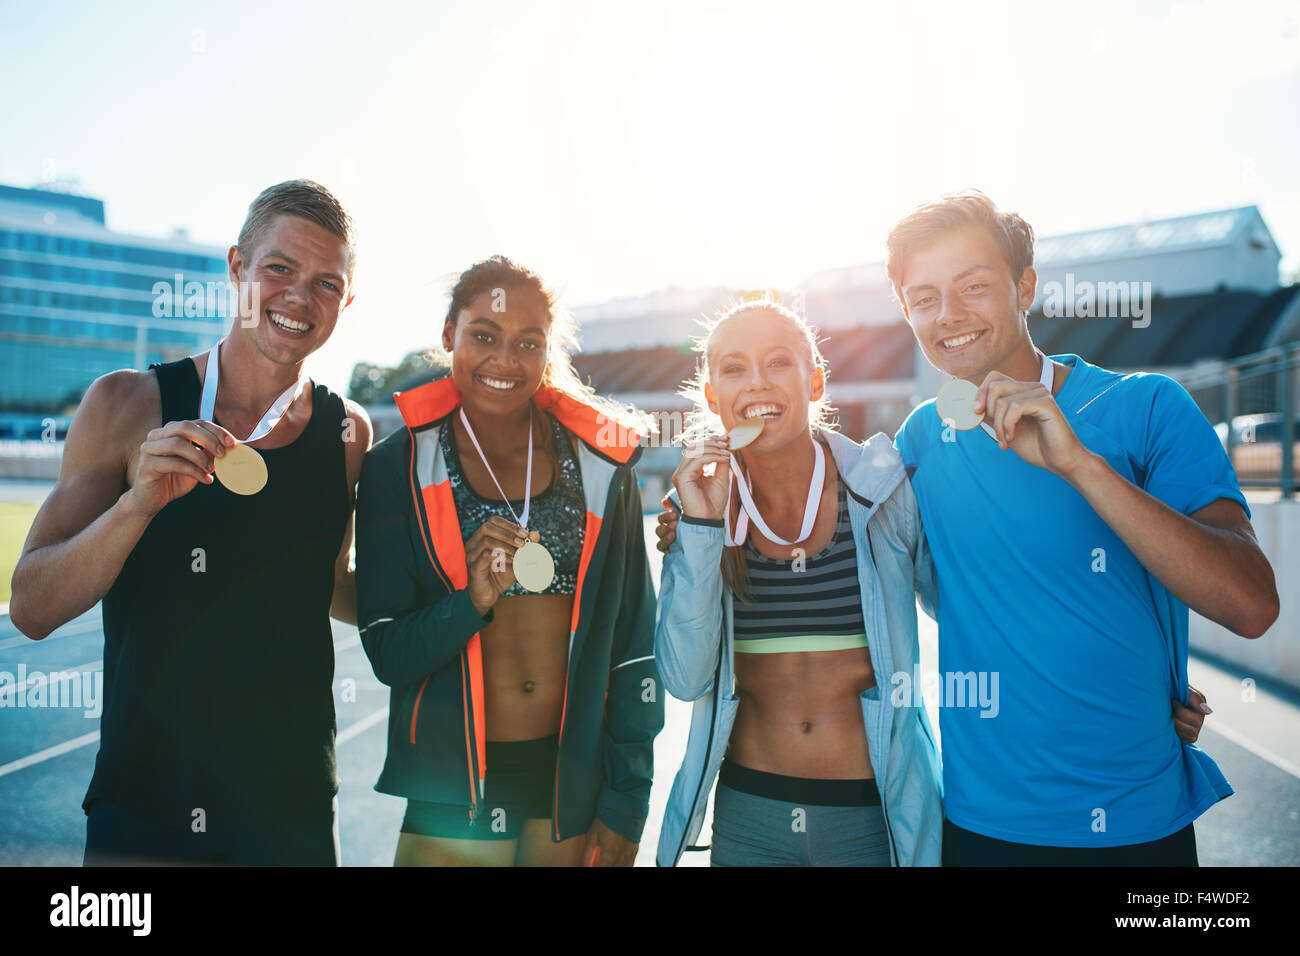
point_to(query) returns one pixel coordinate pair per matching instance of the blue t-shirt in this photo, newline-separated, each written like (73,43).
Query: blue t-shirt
(1087,648)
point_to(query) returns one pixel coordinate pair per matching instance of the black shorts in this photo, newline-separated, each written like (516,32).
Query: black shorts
(964,848)
(308,837)
(520,786)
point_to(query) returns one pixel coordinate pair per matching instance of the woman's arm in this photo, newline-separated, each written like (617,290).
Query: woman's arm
(688,633)
(404,637)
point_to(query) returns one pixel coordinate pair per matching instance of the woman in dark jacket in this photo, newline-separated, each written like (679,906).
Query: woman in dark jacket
(504,593)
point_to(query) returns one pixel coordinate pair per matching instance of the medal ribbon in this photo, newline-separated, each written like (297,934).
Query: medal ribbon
(208,401)
(528,481)
(749,510)
(1045,378)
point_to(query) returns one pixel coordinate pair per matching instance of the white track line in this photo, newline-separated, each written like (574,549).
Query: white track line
(85,740)
(65,675)
(67,631)
(361,726)
(1245,743)
(342,644)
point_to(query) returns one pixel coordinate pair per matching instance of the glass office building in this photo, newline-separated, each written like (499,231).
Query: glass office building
(77,300)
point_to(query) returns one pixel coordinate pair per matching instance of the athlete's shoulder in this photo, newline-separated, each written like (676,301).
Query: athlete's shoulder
(361,426)
(1097,388)
(920,422)
(922,415)
(126,398)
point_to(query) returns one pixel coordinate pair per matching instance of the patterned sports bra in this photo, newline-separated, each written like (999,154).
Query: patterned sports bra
(558,514)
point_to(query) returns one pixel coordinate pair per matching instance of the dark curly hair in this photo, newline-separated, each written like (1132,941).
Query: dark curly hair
(498,272)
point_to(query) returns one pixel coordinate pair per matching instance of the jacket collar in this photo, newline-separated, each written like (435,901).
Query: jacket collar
(436,400)
(871,470)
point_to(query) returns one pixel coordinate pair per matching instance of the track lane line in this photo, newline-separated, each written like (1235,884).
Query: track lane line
(49,753)
(1259,750)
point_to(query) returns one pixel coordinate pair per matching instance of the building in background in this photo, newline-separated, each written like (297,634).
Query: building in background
(1182,296)
(78,300)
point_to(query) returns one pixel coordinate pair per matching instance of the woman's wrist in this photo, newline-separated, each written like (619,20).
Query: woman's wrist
(484,609)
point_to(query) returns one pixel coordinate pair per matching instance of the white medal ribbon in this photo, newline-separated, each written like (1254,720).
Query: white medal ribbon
(1045,378)
(208,401)
(522,520)
(749,510)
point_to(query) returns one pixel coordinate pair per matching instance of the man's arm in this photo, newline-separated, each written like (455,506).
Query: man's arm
(1209,559)
(356,441)
(91,521)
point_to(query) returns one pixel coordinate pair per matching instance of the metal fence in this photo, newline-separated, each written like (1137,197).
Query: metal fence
(1252,401)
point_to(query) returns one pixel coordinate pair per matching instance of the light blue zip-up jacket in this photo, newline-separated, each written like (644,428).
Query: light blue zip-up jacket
(694,647)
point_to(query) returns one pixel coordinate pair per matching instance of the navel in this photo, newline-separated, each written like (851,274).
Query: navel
(529,687)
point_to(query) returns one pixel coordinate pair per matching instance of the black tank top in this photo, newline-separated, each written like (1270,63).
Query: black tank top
(218,653)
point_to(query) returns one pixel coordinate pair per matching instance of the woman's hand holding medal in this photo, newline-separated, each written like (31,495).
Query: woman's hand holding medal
(489,559)
(704,496)
(173,459)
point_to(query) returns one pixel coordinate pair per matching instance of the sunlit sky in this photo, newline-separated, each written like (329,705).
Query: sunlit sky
(624,148)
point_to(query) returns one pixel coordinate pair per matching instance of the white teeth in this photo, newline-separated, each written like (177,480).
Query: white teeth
(754,411)
(499,383)
(285,322)
(960,340)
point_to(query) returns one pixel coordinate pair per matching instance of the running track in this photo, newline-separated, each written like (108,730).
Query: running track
(46,757)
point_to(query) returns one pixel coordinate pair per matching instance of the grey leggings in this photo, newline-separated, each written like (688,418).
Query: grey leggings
(758,831)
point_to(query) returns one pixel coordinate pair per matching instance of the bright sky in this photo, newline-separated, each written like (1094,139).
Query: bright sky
(624,148)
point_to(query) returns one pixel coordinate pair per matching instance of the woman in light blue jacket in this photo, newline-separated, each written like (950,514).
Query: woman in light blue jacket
(786,608)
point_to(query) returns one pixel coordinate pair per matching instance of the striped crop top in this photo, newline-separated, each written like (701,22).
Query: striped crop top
(817,607)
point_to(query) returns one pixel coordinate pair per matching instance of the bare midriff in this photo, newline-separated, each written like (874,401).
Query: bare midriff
(525,664)
(800,714)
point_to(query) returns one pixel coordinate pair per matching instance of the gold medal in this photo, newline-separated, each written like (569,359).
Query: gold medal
(745,432)
(534,567)
(242,470)
(955,404)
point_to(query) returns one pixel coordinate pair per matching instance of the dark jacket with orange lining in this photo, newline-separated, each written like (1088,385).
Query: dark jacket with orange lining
(420,630)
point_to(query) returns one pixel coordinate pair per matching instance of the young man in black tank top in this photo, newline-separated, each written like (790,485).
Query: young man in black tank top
(217,740)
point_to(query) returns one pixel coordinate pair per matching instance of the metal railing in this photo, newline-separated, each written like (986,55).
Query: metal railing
(1252,403)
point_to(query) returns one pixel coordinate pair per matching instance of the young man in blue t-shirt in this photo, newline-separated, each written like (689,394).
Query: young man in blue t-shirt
(1070,533)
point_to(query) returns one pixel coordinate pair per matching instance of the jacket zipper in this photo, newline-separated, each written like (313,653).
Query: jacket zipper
(428,550)
(415,710)
(713,726)
(876,605)
(615,484)
(470,744)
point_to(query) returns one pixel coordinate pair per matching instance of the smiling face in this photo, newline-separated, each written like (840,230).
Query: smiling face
(498,357)
(759,365)
(301,273)
(965,307)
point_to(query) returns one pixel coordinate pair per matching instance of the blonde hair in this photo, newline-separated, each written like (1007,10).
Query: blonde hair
(702,422)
